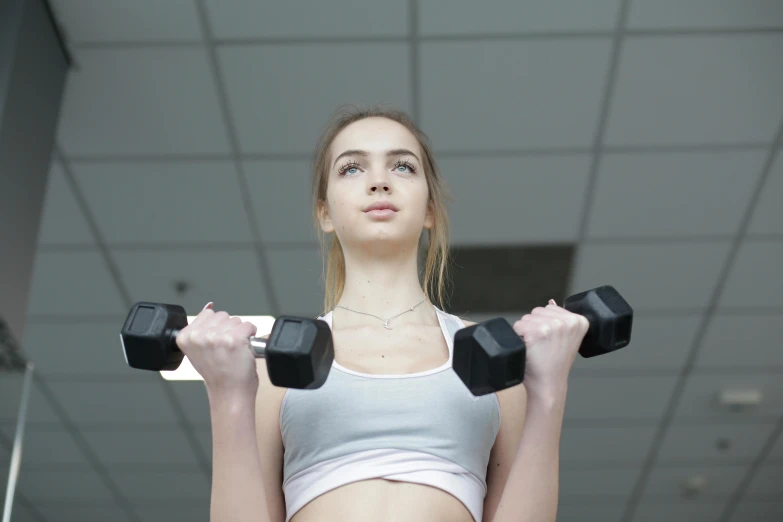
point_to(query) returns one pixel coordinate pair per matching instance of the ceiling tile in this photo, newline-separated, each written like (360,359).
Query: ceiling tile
(768,214)
(579,512)
(634,195)
(297,277)
(142,101)
(438,17)
(19,511)
(282,199)
(597,482)
(657,343)
(204,436)
(489,191)
(80,349)
(308,18)
(737,341)
(704,14)
(281,96)
(38,408)
(119,20)
(655,275)
(595,398)
(5,455)
(133,446)
(601,445)
(82,512)
(758,511)
(193,511)
(62,221)
(767,483)
(159,485)
(689,442)
(658,511)
(689,105)
(523,97)
(448,17)
(667,483)
(755,279)
(119,402)
(50,448)
(777,449)
(228,277)
(699,399)
(165,202)
(40,486)
(193,397)
(73,283)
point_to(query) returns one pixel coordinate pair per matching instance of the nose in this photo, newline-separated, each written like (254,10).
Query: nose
(381,186)
(378,181)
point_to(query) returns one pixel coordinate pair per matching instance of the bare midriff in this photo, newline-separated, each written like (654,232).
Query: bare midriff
(383,500)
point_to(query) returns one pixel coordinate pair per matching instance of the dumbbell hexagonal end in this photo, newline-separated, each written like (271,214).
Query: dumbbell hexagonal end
(610,316)
(299,353)
(489,356)
(149,336)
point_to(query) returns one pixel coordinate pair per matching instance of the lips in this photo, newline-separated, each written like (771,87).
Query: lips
(381,205)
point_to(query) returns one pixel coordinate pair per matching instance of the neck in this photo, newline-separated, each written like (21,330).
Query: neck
(383,286)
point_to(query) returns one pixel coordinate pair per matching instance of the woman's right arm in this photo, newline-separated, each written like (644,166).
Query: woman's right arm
(247,459)
(217,346)
(237,476)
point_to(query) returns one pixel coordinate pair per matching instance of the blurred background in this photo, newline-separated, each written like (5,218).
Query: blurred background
(635,143)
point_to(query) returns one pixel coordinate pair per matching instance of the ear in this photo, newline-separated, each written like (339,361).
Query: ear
(429,219)
(323,217)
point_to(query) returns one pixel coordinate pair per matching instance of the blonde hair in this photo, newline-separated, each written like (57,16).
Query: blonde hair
(437,263)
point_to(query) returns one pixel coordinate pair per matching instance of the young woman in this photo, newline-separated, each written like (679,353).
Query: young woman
(393,435)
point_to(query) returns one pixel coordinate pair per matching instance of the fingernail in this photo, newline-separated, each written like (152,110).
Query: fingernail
(208,305)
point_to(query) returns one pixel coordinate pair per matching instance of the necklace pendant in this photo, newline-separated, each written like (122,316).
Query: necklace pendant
(386,325)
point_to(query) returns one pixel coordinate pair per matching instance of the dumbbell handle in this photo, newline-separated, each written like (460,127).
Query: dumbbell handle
(257,344)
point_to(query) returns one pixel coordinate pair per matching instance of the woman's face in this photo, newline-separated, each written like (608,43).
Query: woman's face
(376,160)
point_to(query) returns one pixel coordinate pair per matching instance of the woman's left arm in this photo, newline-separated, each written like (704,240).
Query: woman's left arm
(552,338)
(530,493)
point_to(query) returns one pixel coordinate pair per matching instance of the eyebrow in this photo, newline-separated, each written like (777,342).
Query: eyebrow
(389,153)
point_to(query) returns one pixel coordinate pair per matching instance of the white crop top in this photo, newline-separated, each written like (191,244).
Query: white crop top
(423,427)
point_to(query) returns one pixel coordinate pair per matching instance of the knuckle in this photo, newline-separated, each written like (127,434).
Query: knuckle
(193,336)
(222,315)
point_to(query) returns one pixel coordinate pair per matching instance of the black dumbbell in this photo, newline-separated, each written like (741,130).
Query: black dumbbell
(490,356)
(299,351)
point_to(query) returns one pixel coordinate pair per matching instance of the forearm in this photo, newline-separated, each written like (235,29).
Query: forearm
(237,482)
(531,490)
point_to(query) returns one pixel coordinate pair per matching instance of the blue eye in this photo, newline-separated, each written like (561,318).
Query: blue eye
(351,166)
(406,165)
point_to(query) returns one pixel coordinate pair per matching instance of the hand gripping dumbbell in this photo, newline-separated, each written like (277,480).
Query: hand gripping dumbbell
(490,356)
(299,351)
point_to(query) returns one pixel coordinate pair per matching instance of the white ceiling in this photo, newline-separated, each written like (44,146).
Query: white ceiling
(647,132)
